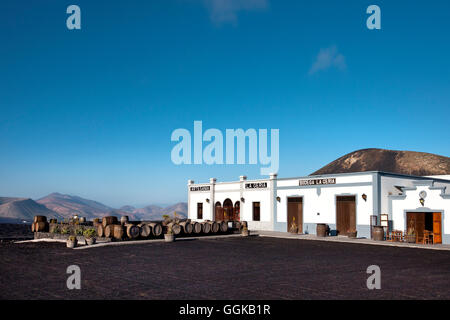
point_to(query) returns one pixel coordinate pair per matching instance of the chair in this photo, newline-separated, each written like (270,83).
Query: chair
(395,235)
(389,236)
(400,236)
(427,237)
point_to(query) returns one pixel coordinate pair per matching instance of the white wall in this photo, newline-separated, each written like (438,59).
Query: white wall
(325,203)
(388,184)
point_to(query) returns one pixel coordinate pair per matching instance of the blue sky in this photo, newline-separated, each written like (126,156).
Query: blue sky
(90,112)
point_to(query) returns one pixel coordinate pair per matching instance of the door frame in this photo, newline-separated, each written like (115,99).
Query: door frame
(356,207)
(287,210)
(424,210)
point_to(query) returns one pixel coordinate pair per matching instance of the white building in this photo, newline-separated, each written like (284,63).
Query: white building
(346,202)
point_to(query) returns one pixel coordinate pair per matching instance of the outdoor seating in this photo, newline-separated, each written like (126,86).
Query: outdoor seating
(427,237)
(395,236)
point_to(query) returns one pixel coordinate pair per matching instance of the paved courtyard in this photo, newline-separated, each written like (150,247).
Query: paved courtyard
(229,268)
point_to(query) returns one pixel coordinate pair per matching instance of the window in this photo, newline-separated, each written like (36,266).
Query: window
(256,212)
(199,210)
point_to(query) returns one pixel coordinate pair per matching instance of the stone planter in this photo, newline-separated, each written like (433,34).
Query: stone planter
(90,241)
(169,237)
(71,244)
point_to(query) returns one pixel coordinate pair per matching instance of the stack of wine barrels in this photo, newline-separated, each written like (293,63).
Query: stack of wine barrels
(39,224)
(106,221)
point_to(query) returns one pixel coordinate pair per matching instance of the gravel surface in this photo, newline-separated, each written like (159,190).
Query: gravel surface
(229,268)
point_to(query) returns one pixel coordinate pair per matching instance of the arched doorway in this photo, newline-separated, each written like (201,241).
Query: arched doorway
(218,211)
(228,210)
(237,211)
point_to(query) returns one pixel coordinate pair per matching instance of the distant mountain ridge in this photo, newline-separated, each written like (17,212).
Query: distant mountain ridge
(23,209)
(67,206)
(401,162)
(60,206)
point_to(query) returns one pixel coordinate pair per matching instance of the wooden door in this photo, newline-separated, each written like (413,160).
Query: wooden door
(227,210)
(237,211)
(218,212)
(295,214)
(345,214)
(416,221)
(437,227)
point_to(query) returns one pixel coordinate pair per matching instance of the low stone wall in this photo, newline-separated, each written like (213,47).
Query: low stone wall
(57,236)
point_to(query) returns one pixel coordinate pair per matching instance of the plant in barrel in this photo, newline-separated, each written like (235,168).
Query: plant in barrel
(89,235)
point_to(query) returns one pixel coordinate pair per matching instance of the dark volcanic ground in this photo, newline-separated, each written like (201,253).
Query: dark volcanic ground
(10,231)
(228,268)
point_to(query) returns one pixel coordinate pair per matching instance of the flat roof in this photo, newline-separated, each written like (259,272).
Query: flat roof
(382,173)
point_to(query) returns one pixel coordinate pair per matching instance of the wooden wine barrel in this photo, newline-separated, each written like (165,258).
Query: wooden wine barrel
(206,227)
(187,227)
(145,230)
(321,230)
(215,227)
(176,228)
(40,219)
(223,226)
(100,230)
(196,227)
(109,230)
(109,220)
(124,220)
(41,226)
(118,232)
(132,231)
(156,228)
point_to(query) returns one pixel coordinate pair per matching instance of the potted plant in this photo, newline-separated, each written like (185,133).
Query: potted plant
(89,236)
(352,233)
(245,232)
(72,242)
(169,236)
